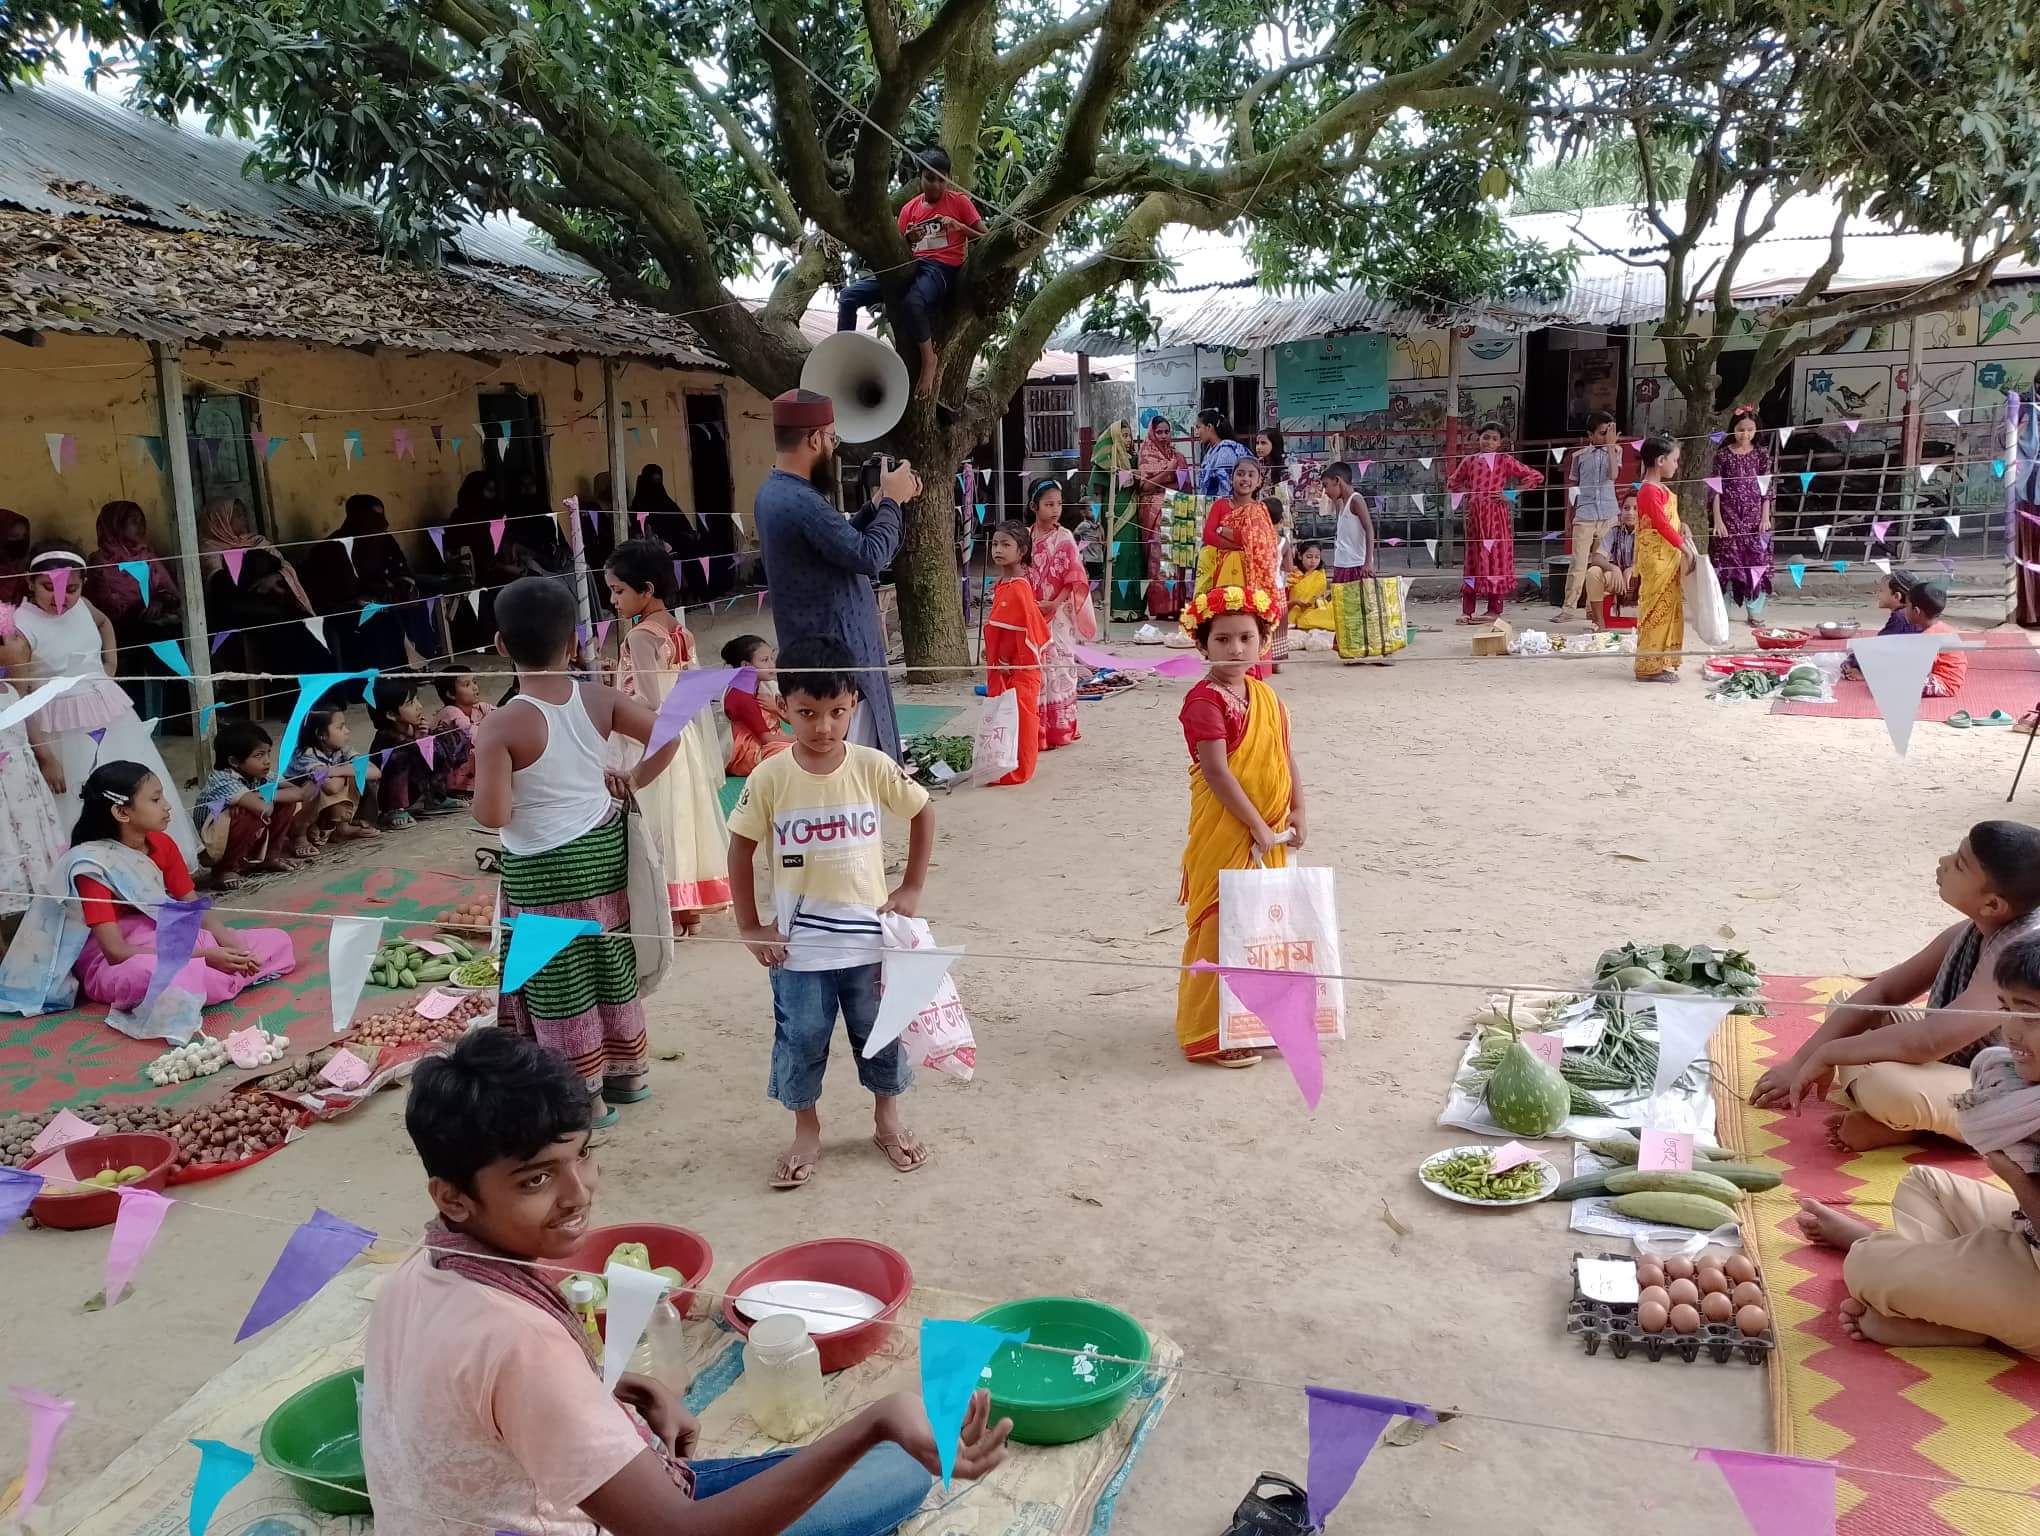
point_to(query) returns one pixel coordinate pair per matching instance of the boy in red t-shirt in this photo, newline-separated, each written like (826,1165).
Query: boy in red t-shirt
(938,224)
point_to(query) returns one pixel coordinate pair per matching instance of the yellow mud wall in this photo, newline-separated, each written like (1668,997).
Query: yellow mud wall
(101,393)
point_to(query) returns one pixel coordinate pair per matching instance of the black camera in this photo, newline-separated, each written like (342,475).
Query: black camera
(874,469)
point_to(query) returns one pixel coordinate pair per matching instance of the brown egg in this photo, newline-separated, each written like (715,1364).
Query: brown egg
(1685,1319)
(1749,1294)
(1651,1315)
(1678,1269)
(1655,1295)
(1752,1320)
(1711,1280)
(1684,1291)
(1649,1272)
(1716,1307)
(1739,1269)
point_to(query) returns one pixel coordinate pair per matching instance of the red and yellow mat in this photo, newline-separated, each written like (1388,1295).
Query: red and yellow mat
(1968,1414)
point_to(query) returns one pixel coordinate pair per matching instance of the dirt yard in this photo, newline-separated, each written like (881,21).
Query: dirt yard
(1493,821)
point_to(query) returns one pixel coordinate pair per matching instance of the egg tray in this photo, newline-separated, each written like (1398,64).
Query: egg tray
(1614,1324)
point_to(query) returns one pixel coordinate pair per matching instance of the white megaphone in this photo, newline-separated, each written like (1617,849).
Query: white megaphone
(865,378)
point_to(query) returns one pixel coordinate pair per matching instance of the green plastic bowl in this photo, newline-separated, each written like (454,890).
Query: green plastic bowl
(316,1434)
(1040,1391)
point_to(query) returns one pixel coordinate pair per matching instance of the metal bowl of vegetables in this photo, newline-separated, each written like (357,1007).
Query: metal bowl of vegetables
(1465,1176)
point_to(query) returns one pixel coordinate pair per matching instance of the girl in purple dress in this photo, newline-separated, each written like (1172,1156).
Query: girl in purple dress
(1740,493)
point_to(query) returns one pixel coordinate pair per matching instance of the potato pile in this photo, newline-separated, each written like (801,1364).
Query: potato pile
(18,1132)
(238,1126)
(476,916)
(403,1026)
(300,1076)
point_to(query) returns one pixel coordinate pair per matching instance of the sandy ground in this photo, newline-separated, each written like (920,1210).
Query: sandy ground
(1474,811)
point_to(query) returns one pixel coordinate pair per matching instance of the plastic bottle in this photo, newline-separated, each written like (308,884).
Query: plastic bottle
(664,1347)
(581,1291)
(783,1379)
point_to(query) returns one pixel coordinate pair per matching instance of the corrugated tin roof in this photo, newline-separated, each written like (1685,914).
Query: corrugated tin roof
(136,227)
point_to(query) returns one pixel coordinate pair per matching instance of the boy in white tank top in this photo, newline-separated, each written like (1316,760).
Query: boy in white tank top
(539,779)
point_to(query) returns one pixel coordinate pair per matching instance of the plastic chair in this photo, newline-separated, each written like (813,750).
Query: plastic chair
(1611,617)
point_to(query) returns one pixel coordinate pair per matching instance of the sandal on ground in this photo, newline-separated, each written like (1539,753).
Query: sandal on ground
(616,1091)
(303,852)
(400,821)
(1234,1061)
(895,1148)
(605,1116)
(1283,1512)
(791,1171)
(354,832)
(222,882)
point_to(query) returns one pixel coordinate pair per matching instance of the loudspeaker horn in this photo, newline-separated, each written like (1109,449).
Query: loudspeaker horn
(865,378)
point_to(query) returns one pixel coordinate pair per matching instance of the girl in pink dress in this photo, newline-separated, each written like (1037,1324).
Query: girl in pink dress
(1063,591)
(1490,530)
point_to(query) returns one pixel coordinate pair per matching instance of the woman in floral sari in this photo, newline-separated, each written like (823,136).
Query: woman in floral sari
(1661,559)
(1160,469)
(1063,590)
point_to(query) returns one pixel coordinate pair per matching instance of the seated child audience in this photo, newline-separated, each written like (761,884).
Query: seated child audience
(461,709)
(407,754)
(325,762)
(1895,1070)
(1310,592)
(757,718)
(482,1404)
(1893,594)
(235,823)
(1924,605)
(1959,1264)
(819,806)
(99,933)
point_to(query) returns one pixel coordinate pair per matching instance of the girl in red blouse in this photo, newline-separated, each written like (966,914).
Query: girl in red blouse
(757,725)
(1483,478)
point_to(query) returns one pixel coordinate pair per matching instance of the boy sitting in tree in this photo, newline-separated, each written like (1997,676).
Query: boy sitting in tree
(938,224)
(1895,1070)
(483,1404)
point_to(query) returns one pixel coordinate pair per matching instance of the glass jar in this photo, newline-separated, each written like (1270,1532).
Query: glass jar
(783,1379)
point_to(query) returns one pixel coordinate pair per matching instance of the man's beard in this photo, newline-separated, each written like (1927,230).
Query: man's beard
(824,474)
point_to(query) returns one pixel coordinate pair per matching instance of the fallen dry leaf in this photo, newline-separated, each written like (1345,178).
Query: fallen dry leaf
(1410,1431)
(1083,1199)
(1633,858)
(1394,1224)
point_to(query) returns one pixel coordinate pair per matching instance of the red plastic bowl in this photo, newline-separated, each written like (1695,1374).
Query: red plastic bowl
(669,1247)
(853,1261)
(76,1210)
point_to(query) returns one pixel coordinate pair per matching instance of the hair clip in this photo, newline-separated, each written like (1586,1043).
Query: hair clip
(115,796)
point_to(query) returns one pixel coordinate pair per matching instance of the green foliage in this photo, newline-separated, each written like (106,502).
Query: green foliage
(1594,175)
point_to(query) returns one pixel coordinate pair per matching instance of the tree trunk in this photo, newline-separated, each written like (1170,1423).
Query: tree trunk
(930,587)
(1696,457)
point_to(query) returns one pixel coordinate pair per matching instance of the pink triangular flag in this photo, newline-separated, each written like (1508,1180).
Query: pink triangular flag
(400,442)
(260,442)
(642,518)
(602,631)
(1895,667)
(1779,1495)
(1362,467)
(1488,459)
(1636,443)
(1878,529)
(1854,424)
(134,1229)
(234,557)
(425,749)
(572,504)
(704,567)
(1487,546)
(1286,1004)
(496,527)
(689,695)
(46,1417)
(1713,483)
(1456,498)
(60,583)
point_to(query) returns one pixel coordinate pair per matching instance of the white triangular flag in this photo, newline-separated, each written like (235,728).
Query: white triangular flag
(655,435)
(21,709)
(317,626)
(1417,500)
(350,951)
(1572,494)
(1784,436)
(474,598)
(1953,415)
(54,441)
(1954,525)
(1425,462)
(1896,668)
(1820,537)
(908,980)
(632,1295)
(311,443)
(1763,485)
(1881,563)
(346,542)
(1432,546)
(1685,1025)
(1926,473)
(1558,455)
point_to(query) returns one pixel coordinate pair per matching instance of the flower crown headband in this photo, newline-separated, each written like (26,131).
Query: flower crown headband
(1206,606)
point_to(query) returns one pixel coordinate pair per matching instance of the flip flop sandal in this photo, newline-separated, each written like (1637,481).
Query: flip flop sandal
(1997,719)
(1284,1512)
(792,1172)
(635,1095)
(893,1150)
(1233,1061)
(401,821)
(1961,720)
(605,1120)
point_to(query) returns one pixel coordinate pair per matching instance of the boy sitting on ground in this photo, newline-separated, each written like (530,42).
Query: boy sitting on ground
(1924,605)
(1897,1071)
(1959,1264)
(483,1405)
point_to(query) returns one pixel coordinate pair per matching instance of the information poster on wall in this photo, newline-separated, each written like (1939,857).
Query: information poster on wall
(1333,374)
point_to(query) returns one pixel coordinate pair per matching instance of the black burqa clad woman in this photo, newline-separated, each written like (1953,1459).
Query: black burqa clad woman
(674,528)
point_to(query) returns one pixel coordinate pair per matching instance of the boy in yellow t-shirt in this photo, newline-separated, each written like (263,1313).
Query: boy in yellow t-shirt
(819,807)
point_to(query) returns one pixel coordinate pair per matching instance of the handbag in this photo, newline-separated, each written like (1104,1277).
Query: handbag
(1705,609)
(651,915)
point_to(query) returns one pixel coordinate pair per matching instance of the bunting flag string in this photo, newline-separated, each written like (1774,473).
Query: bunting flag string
(139,571)
(535,938)
(319,1249)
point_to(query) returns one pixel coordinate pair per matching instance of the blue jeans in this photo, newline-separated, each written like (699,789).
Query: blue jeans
(871,1499)
(914,320)
(804,1008)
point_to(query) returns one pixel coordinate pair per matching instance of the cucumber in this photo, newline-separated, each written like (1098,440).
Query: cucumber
(1674,1210)
(408,978)
(1745,1177)
(439,970)
(1631,1181)
(1621,1148)
(1582,1187)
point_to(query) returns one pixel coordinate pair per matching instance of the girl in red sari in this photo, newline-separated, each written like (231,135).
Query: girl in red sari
(1063,589)
(1490,531)
(1016,638)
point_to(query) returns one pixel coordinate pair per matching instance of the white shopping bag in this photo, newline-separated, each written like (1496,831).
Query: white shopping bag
(1278,920)
(1705,609)
(998,739)
(936,1034)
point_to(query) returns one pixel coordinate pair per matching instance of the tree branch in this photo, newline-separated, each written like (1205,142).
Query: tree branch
(1243,114)
(795,128)
(1035,50)
(747,150)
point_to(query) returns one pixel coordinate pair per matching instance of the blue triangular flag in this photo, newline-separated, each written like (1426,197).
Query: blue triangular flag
(1512,493)
(1997,468)
(139,569)
(1840,565)
(1805,478)
(155,447)
(205,719)
(535,937)
(1123,585)
(1115,549)
(689,695)
(982,510)
(954,1356)
(369,611)
(1535,578)
(98,735)
(220,1468)
(361,775)
(314,687)
(171,654)
(18,1189)
(317,1251)
(1798,570)
(1344,1427)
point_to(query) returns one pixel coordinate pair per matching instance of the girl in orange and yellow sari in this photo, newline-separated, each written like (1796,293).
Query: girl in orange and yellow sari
(1246,806)
(1662,557)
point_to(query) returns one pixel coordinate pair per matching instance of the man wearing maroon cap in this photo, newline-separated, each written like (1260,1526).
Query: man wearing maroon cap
(820,566)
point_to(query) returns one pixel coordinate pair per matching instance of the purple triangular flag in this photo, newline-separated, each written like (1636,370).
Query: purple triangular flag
(177,925)
(1286,1004)
(222,638)
(317,1251)
(18,1189)
(1779,1495)
(383,757)
(690,692)
(98,735)
(425,749)
(438,536)
(1344,1427)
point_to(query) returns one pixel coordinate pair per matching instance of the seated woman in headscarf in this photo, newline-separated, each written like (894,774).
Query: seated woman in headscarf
(668,523)
(251,588)
(137,619)
(462,551)
(15,539)
(363,564)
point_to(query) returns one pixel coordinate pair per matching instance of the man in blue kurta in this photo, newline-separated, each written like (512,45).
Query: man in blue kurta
(822,567)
